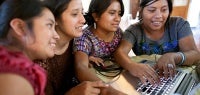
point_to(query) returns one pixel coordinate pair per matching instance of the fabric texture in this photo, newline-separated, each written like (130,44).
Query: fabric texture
(60,72)
(17,63)
(93,46)
(176,29)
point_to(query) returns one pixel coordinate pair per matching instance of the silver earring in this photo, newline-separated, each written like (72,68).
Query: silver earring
(95,25)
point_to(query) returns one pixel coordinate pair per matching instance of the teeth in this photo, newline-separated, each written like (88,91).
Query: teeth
(156,22)
(53,45)
(78,27)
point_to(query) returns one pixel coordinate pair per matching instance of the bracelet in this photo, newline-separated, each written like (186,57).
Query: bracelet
(183,58)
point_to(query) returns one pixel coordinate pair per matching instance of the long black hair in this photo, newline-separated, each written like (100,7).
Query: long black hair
(59,6)
(144,3)
(22,9)
(98,7)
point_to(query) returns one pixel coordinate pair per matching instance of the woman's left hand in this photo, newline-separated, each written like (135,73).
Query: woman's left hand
(166,65)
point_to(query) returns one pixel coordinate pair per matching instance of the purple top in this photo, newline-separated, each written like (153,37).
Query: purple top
(93,46)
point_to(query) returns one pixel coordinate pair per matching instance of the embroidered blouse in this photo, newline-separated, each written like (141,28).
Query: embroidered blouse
(93,46)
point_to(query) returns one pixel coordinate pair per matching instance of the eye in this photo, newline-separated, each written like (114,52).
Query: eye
(164,10)
(75,14)
(151,11)
(112,13)
(119,13)
(50,25)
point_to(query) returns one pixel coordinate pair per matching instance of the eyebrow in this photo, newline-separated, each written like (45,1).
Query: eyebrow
(78,9)
(155,7)
(52,21)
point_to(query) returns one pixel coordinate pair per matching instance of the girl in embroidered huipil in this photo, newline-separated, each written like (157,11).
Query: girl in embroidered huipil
(99,39)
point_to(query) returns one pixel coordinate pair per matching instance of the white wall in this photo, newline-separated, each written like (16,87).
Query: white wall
(194,13)
(85,4)
(126,5)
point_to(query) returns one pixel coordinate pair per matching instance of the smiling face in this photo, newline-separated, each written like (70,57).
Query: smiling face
(155,15)
(72,20)
(42,44)
(110,19)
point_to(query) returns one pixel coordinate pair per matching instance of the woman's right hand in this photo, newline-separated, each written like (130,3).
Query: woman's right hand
(87,88)
(145,73)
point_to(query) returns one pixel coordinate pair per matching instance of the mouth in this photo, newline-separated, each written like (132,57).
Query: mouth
(156,23)
(79,28)
(53,45)
(115,25)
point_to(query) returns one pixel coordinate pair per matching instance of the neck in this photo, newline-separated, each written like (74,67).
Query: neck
(106,36)
(153,34)
(62,43)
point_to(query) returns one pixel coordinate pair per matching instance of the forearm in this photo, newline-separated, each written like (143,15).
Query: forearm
(188,47)
(86,74)
(192,57)
(124,60)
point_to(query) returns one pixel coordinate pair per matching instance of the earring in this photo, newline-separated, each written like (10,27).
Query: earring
(95,25)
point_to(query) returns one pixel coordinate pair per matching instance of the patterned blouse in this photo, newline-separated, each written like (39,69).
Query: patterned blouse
(93,46)
(17,63)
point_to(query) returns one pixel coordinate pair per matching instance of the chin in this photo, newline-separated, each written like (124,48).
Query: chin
(50,55)
(79,34)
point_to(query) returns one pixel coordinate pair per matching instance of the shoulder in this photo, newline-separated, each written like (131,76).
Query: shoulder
(12,84)
(119,31)
(134,29)
(87,33)
(17,64)
(176,18)
(177,21)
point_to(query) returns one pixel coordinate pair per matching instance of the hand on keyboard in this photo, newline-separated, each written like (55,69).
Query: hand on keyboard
(145,73)
(165,87)
(166,65)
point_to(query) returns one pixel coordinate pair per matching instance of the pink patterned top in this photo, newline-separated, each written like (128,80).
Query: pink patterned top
(17,63)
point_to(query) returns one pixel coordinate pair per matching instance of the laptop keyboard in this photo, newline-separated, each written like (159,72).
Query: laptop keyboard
(166,86)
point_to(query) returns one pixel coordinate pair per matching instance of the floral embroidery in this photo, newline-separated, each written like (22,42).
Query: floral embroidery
(90,44)
(151,48)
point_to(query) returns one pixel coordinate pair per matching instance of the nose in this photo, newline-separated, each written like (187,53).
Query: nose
(117,17)
(158,14)
(82,19)
(56,36)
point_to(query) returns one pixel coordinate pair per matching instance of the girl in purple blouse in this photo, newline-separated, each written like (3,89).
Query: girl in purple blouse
(99,39)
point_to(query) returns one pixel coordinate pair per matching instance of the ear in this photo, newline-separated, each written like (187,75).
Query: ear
(18,26)
(96,18)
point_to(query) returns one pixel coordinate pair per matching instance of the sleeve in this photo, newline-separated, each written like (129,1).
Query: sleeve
(82,44)
(129,35)
(183,28)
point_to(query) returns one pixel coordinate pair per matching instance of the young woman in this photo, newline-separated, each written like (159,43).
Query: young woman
(25,34)
(61,77)
(157,33)
(99,39)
